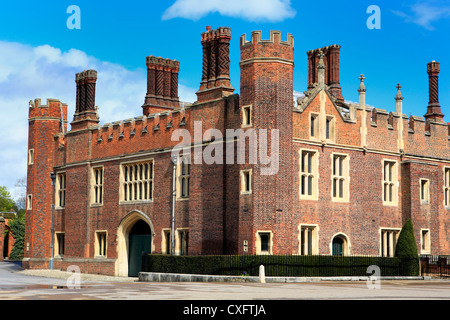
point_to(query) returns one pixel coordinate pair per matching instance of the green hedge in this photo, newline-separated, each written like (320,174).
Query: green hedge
(281,266)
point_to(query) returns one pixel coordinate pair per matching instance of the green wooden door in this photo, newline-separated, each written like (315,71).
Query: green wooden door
(338,245)
(138,244)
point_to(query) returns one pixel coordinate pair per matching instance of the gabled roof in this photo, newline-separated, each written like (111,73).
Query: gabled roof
(303,102)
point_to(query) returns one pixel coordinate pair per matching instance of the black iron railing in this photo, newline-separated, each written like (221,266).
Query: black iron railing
(281,265)
(435,265)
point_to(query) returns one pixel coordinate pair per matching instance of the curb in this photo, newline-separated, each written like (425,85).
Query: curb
(176,277)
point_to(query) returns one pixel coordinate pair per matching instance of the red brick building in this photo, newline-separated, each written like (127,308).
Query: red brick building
(7,239)
(340,177)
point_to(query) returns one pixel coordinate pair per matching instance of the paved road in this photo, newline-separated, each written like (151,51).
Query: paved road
(16,284)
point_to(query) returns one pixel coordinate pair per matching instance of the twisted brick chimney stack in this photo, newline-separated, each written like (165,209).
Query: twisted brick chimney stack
(85,110)
(331,59)
(162,85)
(434,109)
(216,64)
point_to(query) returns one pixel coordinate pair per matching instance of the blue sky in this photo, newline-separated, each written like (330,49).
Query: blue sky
(39,55)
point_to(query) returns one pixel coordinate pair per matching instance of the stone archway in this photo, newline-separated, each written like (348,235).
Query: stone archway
(340,245)
(131,220)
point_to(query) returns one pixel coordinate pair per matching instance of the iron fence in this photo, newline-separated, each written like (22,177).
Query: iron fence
(435,265)
(281,265)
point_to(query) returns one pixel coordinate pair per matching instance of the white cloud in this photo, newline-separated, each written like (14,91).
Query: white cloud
(425,14)
(251,10)
(43,72)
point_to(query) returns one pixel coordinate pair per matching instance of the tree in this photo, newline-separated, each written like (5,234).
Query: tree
(406,250)
(406,243)
(6,201)
(17,227)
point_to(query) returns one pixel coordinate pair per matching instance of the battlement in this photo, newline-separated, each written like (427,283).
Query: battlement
(53,110)
(273,50)
(135,134)
(275,38)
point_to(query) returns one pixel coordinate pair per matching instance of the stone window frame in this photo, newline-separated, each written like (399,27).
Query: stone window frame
(183,178)
(446,187)
(101,244)
(346,245)
(60,190)
(314,126)
(314,174)
(303,227)
(330,125)
(386,251)
(246,186)
(258,242)
(425,241)
(30,157)
(58,244)
(247,116)
(29,202)
(150,180)
(424,189)
(166,233)
(343,176)
(179,243)
(392,182)
(97,197)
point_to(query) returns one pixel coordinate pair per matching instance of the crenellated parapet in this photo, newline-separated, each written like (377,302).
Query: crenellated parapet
(136,134)
(258,49)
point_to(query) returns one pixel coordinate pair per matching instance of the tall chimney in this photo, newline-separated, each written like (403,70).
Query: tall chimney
(434,109)
(85,109)
(162,85)
(216,64)
(86,83)
(331,59)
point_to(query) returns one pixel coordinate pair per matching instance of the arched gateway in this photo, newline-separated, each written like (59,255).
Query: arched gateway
(134,236)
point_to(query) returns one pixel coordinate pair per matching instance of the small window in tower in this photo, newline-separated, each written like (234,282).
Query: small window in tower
(29,201)
(61,190)
(424,191)
(247,116)
(60,244)
(265,239)
(425,241)
(246,181)
(31,156)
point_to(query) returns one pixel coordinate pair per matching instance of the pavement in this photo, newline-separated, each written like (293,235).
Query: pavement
(19,284)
